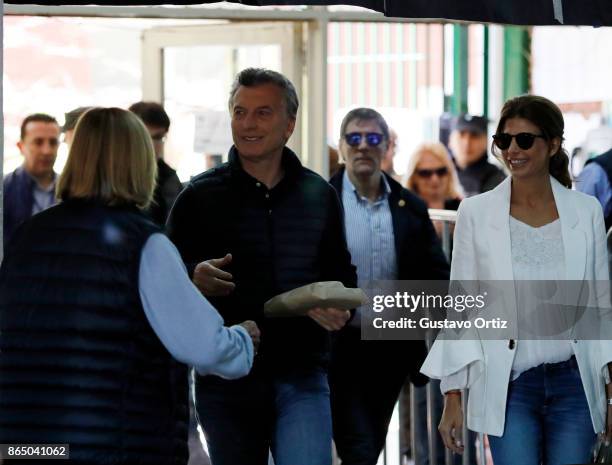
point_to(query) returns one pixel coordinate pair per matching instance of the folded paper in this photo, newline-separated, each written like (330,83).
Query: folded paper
(323,294)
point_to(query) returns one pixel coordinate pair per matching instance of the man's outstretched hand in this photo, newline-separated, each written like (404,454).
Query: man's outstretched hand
(211,280)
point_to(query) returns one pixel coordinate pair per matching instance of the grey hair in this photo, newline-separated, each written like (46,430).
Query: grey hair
(365,114)
(251,77)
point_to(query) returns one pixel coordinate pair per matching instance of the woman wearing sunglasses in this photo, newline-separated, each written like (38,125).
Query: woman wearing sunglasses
(540,401)
(432,176)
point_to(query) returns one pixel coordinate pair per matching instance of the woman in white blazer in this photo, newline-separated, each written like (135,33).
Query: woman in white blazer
(540,401)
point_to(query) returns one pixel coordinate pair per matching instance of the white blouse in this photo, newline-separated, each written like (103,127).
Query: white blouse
(537,255)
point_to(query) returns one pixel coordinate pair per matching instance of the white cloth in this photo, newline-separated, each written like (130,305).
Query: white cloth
(185,322)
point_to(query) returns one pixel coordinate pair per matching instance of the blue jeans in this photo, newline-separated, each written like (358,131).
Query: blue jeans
(547,419)
(285,413)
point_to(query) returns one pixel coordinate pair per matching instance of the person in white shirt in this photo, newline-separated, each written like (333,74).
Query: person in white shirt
(540,401)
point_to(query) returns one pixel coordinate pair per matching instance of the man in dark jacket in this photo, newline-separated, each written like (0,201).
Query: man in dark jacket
(168,184)
(31,187)
(254,227)
(468,142)
(390,237)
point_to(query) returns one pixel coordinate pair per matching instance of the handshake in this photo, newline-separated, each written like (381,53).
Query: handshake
(213,281)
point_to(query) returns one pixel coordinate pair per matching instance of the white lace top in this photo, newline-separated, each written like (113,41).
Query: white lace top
(537,255)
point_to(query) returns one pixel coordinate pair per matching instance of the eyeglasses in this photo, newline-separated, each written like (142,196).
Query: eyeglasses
(373,139)
(523,139)
(440,172)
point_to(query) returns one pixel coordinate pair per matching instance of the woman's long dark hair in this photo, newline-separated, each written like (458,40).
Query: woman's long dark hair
(546,116)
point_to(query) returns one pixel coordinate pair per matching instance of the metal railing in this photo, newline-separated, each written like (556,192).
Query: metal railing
(447,217)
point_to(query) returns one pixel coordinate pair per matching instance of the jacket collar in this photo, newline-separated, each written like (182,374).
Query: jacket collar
(574,242)
(290,162)
(24,177)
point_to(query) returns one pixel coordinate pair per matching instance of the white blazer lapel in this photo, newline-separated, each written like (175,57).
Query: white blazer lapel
(500,247)
(574,239)
(498,232)
(574,248)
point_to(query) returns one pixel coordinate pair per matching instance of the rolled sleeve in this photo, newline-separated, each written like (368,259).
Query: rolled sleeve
(458,380)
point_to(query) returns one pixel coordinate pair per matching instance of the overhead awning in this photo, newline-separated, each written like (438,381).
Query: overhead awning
(519,12)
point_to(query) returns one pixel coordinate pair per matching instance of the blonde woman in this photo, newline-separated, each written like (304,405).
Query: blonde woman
(432,176)
(96,307)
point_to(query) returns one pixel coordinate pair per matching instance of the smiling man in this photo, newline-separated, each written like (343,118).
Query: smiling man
(390,237)
(254,227)
(31,187)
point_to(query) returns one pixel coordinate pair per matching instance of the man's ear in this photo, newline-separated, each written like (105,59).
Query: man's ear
(290,128)
(386,152)
(20,146)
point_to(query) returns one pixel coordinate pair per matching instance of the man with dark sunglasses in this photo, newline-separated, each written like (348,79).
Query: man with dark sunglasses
(468,143)
(390,237)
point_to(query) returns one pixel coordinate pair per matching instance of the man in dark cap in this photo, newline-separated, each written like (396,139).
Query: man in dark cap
(70,121)
(468,142)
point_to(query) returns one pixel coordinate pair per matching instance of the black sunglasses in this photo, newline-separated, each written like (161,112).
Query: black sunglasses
(523,139)
(425,173)
(373,139)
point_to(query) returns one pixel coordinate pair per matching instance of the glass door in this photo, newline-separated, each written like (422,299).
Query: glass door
(190,70)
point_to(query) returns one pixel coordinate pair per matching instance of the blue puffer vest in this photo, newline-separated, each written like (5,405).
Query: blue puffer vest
(79,362)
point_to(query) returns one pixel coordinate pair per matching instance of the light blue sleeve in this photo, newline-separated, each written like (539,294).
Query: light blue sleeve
(594,181)
(185,322)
